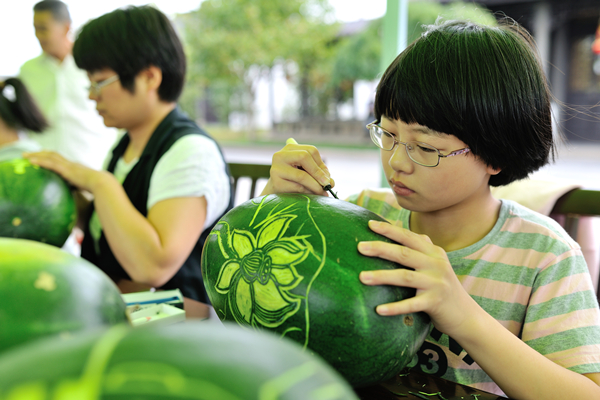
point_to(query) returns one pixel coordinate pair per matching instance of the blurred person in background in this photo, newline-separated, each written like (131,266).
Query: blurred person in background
(165,184)
(18,112)
(60,89)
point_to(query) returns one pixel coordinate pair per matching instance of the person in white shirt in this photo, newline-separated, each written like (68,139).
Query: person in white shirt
(60,89)
(166,183)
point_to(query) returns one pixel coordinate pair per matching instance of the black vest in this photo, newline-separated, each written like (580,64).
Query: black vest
(189,277)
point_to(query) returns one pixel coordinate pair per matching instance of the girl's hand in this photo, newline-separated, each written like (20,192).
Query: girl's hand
(80,176)
(439,292)
(298,169)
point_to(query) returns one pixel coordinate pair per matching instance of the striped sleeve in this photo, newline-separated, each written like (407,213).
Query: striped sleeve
(532,277)
(380,201)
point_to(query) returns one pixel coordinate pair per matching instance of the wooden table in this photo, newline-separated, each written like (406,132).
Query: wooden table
(419,386)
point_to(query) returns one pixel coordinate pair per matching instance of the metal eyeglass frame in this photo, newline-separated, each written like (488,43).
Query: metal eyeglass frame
(95,87)
(373,127)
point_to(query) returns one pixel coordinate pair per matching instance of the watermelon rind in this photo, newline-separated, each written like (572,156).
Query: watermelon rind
(35,203)
(46,291)
(195,360)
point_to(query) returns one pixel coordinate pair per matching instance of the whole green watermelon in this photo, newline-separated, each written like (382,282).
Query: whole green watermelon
(289,263)
(187,361)
(45,291)
(35,203)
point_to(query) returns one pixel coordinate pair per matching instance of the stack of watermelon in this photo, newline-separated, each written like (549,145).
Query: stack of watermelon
(286,263)
(35,203)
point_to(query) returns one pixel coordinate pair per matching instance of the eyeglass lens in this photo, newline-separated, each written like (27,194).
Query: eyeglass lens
(421,153)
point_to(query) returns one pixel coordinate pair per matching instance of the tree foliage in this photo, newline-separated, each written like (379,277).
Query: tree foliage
(230,43)
(358,57)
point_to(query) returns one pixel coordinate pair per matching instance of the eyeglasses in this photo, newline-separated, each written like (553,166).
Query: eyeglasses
(95,87)
(419,152)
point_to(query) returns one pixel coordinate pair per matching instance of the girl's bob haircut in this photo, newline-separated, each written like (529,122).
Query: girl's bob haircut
(483,84)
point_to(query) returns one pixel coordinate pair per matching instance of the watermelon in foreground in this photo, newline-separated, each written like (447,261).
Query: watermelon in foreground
(46,291)
(289,263)
(35,203)
(192,361)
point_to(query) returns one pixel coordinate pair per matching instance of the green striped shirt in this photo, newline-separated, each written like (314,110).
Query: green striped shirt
(530,276)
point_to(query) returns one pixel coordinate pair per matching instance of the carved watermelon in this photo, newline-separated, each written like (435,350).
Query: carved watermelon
(289,263)
(35,203)
(46,291)
(193,360)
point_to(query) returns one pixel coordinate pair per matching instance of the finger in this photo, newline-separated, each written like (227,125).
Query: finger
(402,278)
(406,306)
(403,255)
(395,277)
(287,179)
(44,159)
(304,158)
(291,144)
(406,237)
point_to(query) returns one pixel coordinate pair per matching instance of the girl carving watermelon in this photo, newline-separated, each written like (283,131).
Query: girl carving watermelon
(464,107)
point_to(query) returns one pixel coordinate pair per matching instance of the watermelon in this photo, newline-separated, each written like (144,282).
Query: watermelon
(35,203)
(192,360)
(289,263)
(46,291)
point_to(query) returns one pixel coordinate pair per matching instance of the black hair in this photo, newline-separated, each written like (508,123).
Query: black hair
(483,84)
(57,8)
(129,40)
(19,110)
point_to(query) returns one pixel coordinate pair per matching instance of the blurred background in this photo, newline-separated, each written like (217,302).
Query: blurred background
(261,71)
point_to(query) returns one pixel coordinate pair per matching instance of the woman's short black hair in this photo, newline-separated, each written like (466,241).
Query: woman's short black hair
(18,110)
(484,85)
(129,40)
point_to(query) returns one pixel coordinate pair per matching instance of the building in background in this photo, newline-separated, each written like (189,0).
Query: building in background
(564,32)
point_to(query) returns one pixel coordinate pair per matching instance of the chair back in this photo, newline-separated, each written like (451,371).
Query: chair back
(575,207)
(252,171)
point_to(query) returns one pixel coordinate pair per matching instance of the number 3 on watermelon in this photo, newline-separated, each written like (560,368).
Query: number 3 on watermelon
(35,203)
(289,263)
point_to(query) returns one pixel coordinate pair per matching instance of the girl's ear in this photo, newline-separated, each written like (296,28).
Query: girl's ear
(153,77)
(493,171)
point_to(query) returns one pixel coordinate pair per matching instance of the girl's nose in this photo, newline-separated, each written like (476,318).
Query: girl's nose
(400,161)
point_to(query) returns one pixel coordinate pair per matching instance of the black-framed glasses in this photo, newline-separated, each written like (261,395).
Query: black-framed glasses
(95,87)
(419,152)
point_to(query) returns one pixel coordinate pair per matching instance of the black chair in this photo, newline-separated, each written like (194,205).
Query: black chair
(576,204)
(252,171)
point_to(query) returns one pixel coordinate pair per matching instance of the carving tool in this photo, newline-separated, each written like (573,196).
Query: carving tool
(326,187)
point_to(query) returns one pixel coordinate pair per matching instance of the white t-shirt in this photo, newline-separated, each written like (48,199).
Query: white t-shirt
(192,167)
(12,150)
(60,90)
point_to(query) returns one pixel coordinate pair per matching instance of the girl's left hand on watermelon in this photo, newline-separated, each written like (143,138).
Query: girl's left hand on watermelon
(76,174)
(439,292)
